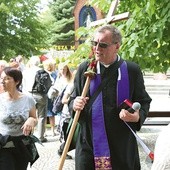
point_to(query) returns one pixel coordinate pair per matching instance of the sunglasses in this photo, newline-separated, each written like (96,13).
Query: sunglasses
(101,44)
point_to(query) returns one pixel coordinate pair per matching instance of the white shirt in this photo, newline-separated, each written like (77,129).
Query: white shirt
(14,113)
(162,151)
(29,78)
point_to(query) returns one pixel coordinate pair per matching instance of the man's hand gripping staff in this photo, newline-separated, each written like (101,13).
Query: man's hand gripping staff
(90,73)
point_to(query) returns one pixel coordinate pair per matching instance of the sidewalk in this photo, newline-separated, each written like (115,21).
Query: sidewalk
(49,159)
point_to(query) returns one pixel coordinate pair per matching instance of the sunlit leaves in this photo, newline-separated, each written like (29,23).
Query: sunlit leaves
(146,34)
(20,29)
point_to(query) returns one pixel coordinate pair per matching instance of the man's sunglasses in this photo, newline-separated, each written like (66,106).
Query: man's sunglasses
(101,44)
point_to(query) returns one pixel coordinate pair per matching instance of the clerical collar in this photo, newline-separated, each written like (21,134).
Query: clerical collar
(107,65)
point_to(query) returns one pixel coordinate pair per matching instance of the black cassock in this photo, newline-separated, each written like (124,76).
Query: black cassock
(122,143)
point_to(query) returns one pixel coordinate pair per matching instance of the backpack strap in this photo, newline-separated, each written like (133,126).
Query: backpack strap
(33,87)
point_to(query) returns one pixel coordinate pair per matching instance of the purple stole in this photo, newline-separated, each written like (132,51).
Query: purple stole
(101,149)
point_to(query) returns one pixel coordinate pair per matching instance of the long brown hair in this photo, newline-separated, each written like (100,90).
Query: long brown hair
(68,72)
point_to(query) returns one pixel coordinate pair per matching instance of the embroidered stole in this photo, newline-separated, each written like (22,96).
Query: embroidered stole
(100,143)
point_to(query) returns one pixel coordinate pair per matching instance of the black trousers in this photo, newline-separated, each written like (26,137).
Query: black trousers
(64,128)
(10,159)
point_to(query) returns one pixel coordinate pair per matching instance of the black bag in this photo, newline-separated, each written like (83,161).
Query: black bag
(75,135)
(31,150)
(42,82)
(57,104)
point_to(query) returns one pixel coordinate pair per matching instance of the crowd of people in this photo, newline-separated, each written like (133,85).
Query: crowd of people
(23,109)
(105,140)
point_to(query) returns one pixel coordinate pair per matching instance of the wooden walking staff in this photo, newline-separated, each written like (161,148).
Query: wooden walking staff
(89,74)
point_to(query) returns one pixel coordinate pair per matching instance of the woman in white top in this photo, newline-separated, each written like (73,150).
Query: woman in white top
(17,120)
(64,77)
(65,116)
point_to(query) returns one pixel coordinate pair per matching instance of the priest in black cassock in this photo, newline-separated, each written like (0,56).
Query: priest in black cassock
(105,142)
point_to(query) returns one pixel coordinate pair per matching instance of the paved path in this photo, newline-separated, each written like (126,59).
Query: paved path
(160,102)
(49,159)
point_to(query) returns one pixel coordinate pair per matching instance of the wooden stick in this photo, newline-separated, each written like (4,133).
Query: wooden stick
(73,127)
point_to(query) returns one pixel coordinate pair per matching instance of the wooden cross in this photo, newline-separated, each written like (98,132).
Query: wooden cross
(111,18)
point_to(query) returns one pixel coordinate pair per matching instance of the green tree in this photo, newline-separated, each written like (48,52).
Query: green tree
(146,38)
(62,31)
(146,33)
(21,31)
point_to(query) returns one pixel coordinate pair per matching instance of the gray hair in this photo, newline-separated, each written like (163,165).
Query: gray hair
(116,35)
(34,61)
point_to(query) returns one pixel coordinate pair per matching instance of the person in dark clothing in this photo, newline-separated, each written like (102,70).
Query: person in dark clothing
(105,142)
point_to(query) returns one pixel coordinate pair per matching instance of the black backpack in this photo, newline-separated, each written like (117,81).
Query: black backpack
(42,82)
(57,104)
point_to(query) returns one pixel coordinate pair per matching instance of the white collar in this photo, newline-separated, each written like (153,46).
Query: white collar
(106,65)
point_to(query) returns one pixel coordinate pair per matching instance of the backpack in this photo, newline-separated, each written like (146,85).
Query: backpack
(42,82)
(57,104)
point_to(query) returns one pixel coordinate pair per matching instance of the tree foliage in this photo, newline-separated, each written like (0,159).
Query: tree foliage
(146,34)
(146,38)
(21,31)
(62,30)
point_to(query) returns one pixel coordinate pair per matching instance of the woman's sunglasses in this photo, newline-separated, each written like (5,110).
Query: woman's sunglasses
(101,44)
